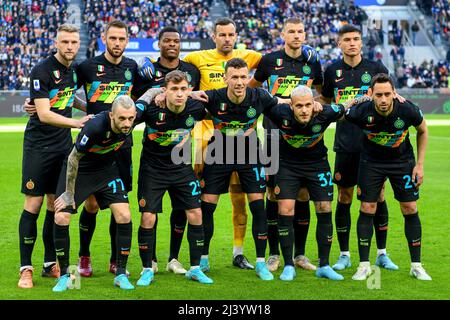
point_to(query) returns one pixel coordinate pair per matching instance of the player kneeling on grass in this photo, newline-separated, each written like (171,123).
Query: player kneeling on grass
(166,135)
(91,169)
(387,153)
(304,163)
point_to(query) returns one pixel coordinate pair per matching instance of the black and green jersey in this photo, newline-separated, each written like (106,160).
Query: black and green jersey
(52,80)
(342,83)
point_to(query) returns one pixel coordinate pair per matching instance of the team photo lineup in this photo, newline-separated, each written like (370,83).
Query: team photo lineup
(227,120)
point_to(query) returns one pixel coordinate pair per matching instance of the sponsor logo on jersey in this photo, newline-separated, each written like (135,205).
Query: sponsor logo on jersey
(107,92)
(61,99)
(387,139)
(283,86)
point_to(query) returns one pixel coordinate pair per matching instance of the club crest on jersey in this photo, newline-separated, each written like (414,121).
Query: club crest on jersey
(36,85)
(279,62)
(251,112)
(56,74)
(339,73)
(190,121)
(399,123)
(306,69)
(366,78)
(128,74)
(316,128)
(101,68)
(370,119)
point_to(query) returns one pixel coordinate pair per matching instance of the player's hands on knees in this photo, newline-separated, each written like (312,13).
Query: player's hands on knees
(417,175)
(82,121)
(29,108)
(200,96)
(65,200)
(399,98)
(160,100)
(317,108)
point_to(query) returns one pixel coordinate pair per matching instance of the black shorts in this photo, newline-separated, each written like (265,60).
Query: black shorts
(373,174)
(125,165)
(182,184)
(316,177)
(40,171)
(106,185)
(346,169)
(270,181)
(216,178)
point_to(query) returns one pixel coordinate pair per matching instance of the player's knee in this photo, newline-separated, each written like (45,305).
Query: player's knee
(369,207)
(408,207)
(121,213)
(148,220)
(270,194)
(210,198)
(303,195)
(322,206)
(345,195)
(91,204)
(255,196)
(33,204)
(194,216)
(286,207)
(62,218)
(381,196)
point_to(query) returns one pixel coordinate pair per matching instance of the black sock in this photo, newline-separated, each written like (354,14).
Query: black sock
(208,223)
(286,236)
(380,222)
(113,237)
(259,227)
(324,237)
(301,226)
(47,236)
(178,221)
(87,223)
(124,235)
(413,232)
(196,241)
(155,228)
(364,231)
(62,247)
(272,226)
(145,243)
(27,236)
(343,224)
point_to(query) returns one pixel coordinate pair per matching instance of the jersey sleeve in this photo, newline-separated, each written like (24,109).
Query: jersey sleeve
(191,58)
(416,115)
(81,80)
(141,107)
(39,84)
(333,112)
(276,113)
(195,77)
(253,58)
(353,114)
(262,73)
(328,87)
(136,77)
(87,136)
(212,94)
(382,68)
(267,100)
(318,73)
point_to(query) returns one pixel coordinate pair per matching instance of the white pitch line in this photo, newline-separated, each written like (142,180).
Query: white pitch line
(140,127)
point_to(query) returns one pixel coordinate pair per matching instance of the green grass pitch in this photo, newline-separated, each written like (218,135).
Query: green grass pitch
(230,282)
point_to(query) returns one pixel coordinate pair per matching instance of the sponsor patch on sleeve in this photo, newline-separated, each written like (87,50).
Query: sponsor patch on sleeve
(36,85)
(84,140)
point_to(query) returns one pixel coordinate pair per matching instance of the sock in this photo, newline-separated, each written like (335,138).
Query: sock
(87,223)
(208,223)
(286,236)
(47,236)
(196,241)
(145,243)
(155,227)
(113,237)
(124,234)
(178,221)
(27,236)
(259,227)
(301,226)
(272,226)
(380,222)
(237,251)
(324,237)
(343,223)
(239,214)
(62,247)
(365,233)
(413,232)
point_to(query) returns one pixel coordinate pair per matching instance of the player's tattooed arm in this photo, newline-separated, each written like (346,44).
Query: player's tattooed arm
(150,94)
(67,199)
(355,101)
(80,101)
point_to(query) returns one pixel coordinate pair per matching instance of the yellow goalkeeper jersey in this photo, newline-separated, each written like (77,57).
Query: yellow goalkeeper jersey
(212,65)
